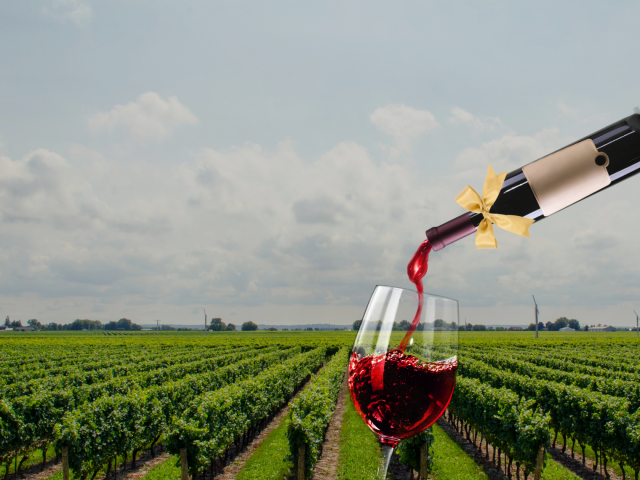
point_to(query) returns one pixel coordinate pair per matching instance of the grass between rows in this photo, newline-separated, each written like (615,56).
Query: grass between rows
(270,460)
(450,461)
(359,456)
(555,471)
(167,470)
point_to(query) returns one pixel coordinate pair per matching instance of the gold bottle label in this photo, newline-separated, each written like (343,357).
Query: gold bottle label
(567,176)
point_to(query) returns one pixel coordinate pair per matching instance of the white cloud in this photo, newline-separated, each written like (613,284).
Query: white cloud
(150,117)
(580,115)
(77,11)
(43,189)
(567,110)
(40,187)
(246,227)
(510,151)
(403,123)
(462,116)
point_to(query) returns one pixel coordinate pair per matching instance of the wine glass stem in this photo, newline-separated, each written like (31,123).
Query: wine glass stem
(387,451)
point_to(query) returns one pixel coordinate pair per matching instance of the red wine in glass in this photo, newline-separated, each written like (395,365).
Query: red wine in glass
(411,397)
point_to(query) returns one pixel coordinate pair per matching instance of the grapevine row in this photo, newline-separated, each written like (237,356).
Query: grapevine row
(219,419)
(562,362)
(311,412)
(100,431)
(109,366)
(514,425)
(82,383)
(605,385)
(32,420)
(594,419)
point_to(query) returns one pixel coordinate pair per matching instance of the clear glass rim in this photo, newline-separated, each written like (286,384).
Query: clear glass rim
(435,295)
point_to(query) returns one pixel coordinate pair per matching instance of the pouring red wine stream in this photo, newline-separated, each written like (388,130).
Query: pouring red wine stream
(416,270)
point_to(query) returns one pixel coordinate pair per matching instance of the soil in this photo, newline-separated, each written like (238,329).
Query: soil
(326,467)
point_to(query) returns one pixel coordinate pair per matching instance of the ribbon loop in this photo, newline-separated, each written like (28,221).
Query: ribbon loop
(470,200)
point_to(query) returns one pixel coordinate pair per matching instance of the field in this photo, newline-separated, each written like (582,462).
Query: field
(145,405)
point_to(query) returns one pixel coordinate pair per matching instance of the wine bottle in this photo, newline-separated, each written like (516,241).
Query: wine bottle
(562,178)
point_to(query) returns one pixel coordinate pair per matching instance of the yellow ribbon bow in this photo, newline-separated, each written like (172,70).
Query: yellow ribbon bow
(470,200)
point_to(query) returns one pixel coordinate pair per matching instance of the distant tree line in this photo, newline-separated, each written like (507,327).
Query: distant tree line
(474,328)
(217,325)
(559,323)
(79,324)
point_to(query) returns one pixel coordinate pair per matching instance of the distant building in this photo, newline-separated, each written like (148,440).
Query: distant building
(23,329)
(566,329)
(603,329)
(7,329)
(514,329)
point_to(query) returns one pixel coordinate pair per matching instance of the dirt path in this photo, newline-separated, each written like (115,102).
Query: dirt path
(326,467)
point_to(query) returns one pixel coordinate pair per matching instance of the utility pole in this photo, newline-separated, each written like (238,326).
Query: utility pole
(536,311)
(465,324)
(637,324)
(205,322)
(157,326)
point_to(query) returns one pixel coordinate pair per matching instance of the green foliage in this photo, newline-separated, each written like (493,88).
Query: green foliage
(35,324)
(85,324)
(596,419)
(409,450)
(217,325)
(512,424)
(249,327)
(113,425)
(210,426)
(311,412)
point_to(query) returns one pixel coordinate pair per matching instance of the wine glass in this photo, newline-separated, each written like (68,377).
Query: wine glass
(402,372)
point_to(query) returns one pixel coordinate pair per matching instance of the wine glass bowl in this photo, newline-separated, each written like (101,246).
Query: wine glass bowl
(401,393)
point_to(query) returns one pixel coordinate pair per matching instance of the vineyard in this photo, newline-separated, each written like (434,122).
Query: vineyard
(94,405)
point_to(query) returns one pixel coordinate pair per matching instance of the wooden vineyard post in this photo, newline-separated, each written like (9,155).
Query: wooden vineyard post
(65,463)
(424,462)
(538,474)
(183,464)
(301,453)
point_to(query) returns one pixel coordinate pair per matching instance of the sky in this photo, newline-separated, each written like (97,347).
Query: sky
(274,161)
